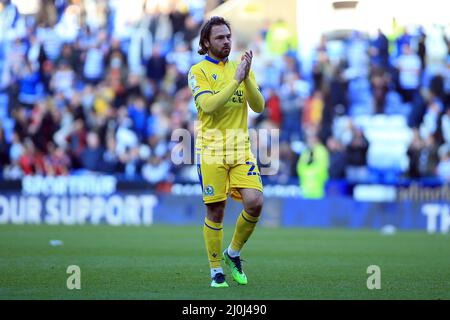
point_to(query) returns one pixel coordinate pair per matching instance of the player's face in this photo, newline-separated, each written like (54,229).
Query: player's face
(219,43)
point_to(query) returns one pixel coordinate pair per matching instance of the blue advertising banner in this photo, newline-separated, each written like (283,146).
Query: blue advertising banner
(86,201)
(116,209)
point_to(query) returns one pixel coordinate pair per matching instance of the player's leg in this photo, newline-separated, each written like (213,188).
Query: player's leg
(252,200)
(213,236)
(214,178)
(245,180)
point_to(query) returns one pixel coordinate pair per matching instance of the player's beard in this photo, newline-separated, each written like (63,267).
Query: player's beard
(221,54)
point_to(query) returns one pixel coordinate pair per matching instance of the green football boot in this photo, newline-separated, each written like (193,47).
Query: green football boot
(219,281)
(236,268)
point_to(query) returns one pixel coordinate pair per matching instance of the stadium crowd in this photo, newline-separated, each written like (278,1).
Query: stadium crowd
(91,86)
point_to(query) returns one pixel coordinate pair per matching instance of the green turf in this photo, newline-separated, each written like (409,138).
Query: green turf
(169,262)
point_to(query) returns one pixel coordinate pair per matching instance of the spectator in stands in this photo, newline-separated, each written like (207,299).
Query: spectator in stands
(126,138)
(338,160)
(160,25)
(35,53)
(21,124)
(16,57)
(335,102)
(155,170)
(356,154)
(158,146)
(137,112)
(404,39)
(47,70)
(76,143)
(47,13)
(157,122)
(338,100)
(177,17)
(65,127)
(116,57)
(358,60)
(91,157)
(379,51)
(50,39)
(104,97)
(110,161)
(191,30)
(437,86)
(134,87)
(414,151)
(116,73)
(171,83)
(30,85)
(94,64)
(56,162)
(131,162)
(428,159)
(32,160)
(63,80)
(180,57)
(432,118)
(321,72)
(47,119)
(273,104)
(293,95)
(156,66)
(16,150)
(9,15)
(379,82)
(409,66)
(443,168)
(68,57)
(287,164)
(312,168)
(313,111)
(422,51)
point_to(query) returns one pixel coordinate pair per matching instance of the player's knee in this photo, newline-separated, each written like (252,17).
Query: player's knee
(254,205)
(217,218)
(215,212)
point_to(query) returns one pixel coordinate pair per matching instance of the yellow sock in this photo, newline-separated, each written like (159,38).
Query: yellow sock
(213,235)
(244,228)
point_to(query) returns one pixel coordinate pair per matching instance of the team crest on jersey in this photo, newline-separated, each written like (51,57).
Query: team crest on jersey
(209,191)
(214,76)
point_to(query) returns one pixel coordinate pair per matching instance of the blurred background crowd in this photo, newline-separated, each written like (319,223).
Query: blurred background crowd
(99,86)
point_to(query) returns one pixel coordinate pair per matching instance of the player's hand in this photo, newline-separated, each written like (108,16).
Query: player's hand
(247,56)
(241,71)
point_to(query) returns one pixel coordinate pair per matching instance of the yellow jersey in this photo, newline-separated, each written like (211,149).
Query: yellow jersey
(226,126)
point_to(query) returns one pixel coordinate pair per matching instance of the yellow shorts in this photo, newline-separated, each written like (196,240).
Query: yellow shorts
(220,179)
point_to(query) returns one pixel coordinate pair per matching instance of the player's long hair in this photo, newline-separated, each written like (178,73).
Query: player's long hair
(206,32)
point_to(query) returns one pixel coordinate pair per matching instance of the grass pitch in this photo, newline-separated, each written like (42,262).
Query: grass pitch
(169,262)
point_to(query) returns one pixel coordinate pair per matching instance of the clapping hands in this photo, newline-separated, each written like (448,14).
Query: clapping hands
(243,69)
